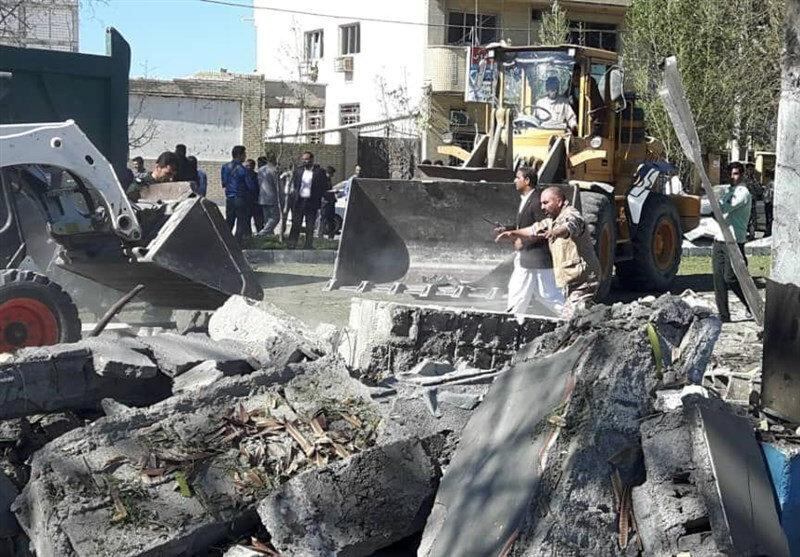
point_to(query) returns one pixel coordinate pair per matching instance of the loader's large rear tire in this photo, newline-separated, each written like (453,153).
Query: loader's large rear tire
(35,312)
(598,210)
(656,247)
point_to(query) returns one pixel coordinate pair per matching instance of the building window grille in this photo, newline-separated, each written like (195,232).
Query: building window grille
(350,39)
(349,114)
(467,29)
(314,46)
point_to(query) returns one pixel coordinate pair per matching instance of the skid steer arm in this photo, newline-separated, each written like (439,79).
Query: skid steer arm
(64,145)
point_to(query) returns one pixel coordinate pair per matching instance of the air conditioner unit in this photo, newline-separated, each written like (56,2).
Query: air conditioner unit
(343,64)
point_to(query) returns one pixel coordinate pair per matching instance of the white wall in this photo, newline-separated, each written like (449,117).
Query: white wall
(390,50)
(208,127)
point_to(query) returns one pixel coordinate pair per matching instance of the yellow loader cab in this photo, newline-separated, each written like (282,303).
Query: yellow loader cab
(636,219)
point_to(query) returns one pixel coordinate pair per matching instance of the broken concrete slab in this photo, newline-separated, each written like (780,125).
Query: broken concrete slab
(356,506)
(564,471)
(120,357)
(391,338)
(176,354)
(204,374)
(496,467)
(183,474)
(62,377)
(707,489)
(264,328)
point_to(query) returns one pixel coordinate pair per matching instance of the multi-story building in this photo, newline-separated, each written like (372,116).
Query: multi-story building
(382,59)
(48,24)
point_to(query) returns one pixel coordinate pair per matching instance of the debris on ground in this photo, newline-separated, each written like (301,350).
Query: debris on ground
(431,430)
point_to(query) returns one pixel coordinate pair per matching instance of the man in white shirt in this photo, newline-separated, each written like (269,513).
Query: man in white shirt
(556,111)
(533,274)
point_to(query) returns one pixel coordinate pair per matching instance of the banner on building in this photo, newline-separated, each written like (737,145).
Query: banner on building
(481,73)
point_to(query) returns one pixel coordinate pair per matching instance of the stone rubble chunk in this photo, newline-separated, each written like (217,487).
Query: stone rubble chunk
(120,357)
(204,374)
(353,507)
(62,377)
(87,494)
(176,354)
(8,522)
(241,551)
(264,328)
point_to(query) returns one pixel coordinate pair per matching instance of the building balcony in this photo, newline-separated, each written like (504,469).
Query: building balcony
(445,68)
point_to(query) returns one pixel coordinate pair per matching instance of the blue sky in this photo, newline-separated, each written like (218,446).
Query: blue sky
(173,38)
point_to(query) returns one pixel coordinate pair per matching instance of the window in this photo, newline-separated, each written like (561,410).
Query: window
(315,120)
(314,47)
(596,35)
(350,39)
(459,117)
(349,114)
(468,29)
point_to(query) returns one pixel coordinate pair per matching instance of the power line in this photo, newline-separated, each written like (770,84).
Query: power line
(348,17)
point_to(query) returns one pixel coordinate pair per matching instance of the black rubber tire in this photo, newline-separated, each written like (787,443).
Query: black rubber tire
(27,284)
(598,211)
(643,272)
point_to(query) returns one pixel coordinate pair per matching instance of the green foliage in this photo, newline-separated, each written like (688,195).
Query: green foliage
(555,27)
(728,53)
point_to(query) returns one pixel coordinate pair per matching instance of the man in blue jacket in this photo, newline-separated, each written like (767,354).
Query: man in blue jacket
(238,193)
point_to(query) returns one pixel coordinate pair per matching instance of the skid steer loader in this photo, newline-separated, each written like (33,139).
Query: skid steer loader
(435,230)
(55,186)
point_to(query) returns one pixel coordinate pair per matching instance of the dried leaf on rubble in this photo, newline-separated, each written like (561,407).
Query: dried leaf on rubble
(557,421)
(254,478)
(113,464)
(182,484)
(120,512)
(318,425)
(307,447)
(341,451)
(153,472)
(352,420)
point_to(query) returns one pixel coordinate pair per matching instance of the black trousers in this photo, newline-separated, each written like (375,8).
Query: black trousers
(242,211)
(304,211)
(725,278)
(768,214)
(230,212)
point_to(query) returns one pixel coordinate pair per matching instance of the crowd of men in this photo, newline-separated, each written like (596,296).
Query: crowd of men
(258,195)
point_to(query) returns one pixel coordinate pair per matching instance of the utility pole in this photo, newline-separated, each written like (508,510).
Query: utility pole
(780,369)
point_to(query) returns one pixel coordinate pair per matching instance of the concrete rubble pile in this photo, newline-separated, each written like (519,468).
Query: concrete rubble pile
(439,430)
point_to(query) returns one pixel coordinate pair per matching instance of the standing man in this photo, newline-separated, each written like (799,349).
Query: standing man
(575,262)
(328,208)
(308,183)
(533,266)
(735,201)
(769,192)
(184,174)
(269,195)
(237,198)
(201,177)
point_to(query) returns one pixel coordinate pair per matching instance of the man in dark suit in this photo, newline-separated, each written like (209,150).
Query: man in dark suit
(533,274)
(309,183)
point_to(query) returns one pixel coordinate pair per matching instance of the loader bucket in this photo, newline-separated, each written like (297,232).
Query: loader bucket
(424,232)
(192,262)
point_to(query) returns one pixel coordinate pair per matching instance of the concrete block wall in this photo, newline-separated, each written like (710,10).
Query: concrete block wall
(392,337)
(324,155)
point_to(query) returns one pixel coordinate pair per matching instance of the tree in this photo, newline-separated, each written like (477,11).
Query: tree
(555,27)
(729,55)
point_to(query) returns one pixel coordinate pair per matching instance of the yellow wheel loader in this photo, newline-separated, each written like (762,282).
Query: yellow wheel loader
(432,233)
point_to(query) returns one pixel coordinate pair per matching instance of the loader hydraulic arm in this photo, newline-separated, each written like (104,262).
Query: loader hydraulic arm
(64,145)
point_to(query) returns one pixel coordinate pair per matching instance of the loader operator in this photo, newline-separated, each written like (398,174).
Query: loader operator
(555,109)
(575,263)
(533,266)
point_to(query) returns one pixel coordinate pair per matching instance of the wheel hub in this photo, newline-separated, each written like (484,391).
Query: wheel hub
(26,322)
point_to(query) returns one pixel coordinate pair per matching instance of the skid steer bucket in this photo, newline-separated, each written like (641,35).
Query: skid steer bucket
(191,262)
(423,232)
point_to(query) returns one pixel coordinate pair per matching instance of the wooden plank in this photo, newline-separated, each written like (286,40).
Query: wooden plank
(674,97)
